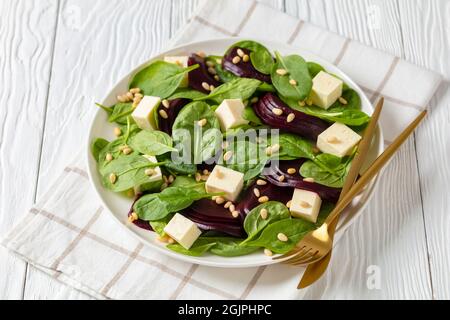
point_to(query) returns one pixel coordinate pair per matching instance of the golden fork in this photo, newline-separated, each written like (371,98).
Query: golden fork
(316,244)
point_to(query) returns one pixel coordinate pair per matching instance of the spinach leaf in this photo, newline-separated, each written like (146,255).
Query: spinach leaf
(239,88)
(187,93)
(152,143)
(177,168)
(156,206)
(260,56)
(254,224)
(108,110)
(339,169)
(230,247)
(129,170)
(188,182)
(314,68)
(349,114)
(203,146)
(295,147)
(199,248)
(297,70)
(120,112)
(250,115)
(159,225)
(266,87)
(160,78)
(97,146)
(294,229)
(224,75)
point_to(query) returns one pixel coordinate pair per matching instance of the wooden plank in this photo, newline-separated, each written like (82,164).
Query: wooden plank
(26,45)
(96,44)
(426,34)
(389,237)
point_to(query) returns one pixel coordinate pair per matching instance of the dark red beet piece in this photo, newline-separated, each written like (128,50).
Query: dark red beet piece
(175,107)
(200,75)
(243,69)
(305,125)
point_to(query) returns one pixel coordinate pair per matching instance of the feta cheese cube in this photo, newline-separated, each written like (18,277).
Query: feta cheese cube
(182,230)
(154,181)
(182,61)
(143,114)
(230,114)
(305,204)
(338,140)
(225,180)
(326,89)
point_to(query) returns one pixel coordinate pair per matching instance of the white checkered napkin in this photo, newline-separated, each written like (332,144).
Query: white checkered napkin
(407,89)
(71,237)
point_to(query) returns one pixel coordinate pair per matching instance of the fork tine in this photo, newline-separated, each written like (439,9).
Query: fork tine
(311,259)
(305,258)
(294,252)
(298,256)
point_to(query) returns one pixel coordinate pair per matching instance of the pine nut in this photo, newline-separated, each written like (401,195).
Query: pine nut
(308,180)
(256,192)
(277,111)
(304,204)
(135,90)
(163,114)
(163,186)
(220,200)
(204,177)
(133,217)
(227,156)
(211,70)
(292,82)
(291,171)
(201,54)
(301,103)
(281,72)
(228,204)
(205,86)
(282,237)
(122,99)
(198,177)
(206,171)
(232,208)
(263,213)
(108,157)
(136,101)
(235,214)
(123,147)
(263,199)
(246,58)
(290,117)
(342,100)
(165,103)
(112,178)
(275,148)
(165,179)
(309,102)
(216,77)
(210,64)
(130,96)
(261,182)
(171,179)
(170,240)
(268,253)
(149,172)
(281,178)
(288,204)
(211,88)
(269,151)
(117,131)
(202,122)
(138,95)
(254,100)
(127,151)
(333,139)
(236,60)
(240,52)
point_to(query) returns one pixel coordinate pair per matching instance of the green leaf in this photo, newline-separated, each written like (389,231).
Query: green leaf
(160,78)
(297,70)
(224,75)
(203,146)
(188,182)
(186,93)
(159,225)
(314,68)
(108,110)
(250,115)
(152,143)
(239,88)
(156,206)
(266,87)
(260,56)
(120,112)
(295,147)
(254,224)
(199,248)
(230,247)
(97,146)
(349,114)
(327,170)
(129,170)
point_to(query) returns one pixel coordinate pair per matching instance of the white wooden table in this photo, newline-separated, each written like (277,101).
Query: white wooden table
(58,56)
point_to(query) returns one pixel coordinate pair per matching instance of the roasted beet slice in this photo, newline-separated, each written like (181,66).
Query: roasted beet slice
(296,180)
(200,75)
(210,216)
(242,69)
(140,223)
(165,124)
(305,125)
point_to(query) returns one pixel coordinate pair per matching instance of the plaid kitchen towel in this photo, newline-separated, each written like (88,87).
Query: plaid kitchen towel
(69,235)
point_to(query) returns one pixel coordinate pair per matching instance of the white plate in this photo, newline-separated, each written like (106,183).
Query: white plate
(119,205)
